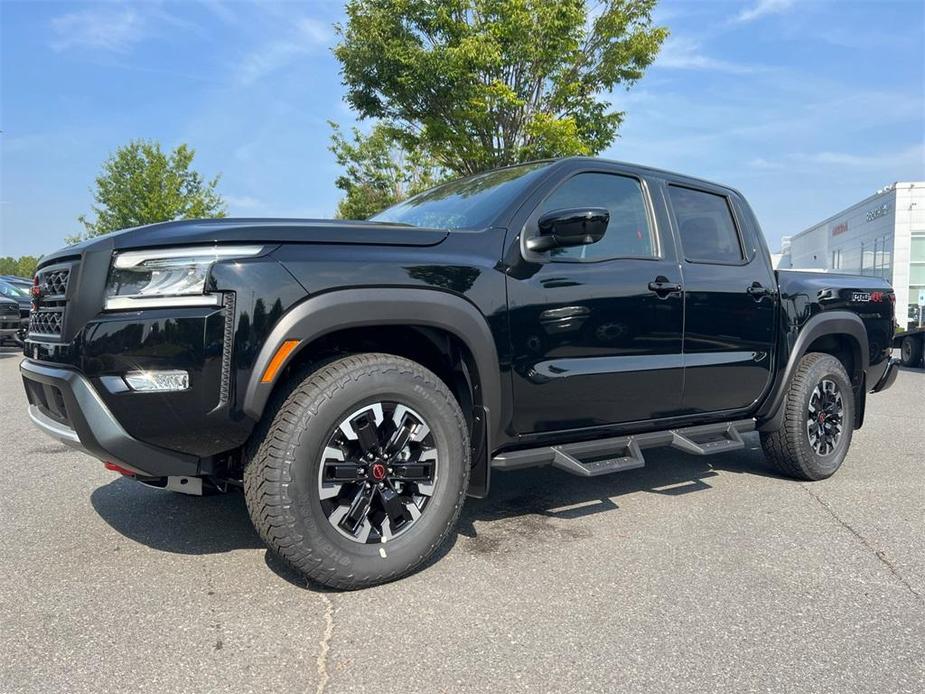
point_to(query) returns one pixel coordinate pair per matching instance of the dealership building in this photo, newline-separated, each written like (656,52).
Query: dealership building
(881,236)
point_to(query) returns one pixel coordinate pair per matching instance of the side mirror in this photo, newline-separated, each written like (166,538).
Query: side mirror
(572,227)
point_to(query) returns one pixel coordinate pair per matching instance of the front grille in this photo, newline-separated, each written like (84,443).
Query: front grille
(46,322)
(47,316)
(54,283)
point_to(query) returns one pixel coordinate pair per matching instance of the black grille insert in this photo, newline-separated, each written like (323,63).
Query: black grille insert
(49,303)
(54,282)
(46,322)
(48,399)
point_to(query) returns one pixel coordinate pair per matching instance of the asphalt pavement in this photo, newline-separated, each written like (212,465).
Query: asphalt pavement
(691,574)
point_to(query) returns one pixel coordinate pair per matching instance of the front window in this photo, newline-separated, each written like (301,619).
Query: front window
(469,203)
(628,235)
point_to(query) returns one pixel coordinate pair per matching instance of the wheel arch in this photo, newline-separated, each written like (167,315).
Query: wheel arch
(839,333)
(383,318)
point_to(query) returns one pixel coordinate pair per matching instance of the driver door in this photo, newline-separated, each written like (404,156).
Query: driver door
(597,329)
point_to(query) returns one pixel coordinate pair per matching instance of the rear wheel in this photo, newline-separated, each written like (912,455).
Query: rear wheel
(910,350)
(818,420)
(362,472)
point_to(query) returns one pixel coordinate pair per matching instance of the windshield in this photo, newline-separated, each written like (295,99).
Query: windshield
(13,291)
(469,203)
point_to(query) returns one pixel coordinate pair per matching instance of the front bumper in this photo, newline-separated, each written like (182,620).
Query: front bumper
(64,404)
(9,325)
(888,377)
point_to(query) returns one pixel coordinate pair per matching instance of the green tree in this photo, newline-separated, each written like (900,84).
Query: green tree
(378,171)
(23,266)
(141,184)
(484,83)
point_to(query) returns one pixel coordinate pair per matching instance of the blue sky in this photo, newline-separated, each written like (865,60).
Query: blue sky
(804,105)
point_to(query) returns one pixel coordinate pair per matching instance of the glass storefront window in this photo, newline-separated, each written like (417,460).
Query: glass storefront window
(918,248)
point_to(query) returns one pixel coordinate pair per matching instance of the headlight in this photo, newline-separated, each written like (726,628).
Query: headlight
(167,276)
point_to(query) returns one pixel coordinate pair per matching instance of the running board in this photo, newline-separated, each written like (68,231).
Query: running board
(603,456)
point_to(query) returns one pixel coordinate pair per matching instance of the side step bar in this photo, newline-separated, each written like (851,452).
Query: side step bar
(603,456)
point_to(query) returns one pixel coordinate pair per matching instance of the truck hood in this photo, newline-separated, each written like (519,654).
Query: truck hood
(210,231)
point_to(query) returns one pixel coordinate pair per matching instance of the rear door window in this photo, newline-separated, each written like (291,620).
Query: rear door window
(706,226)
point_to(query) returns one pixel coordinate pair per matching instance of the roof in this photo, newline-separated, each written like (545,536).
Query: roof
(652,170)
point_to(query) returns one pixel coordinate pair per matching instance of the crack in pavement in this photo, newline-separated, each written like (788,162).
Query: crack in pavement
(880,554)
(325,645)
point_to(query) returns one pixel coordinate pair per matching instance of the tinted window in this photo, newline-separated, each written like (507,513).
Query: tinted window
(469,203)
(628,232)
(14,292)
(708,233)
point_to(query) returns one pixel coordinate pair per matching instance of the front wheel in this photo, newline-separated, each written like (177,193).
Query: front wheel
(818,420)
(362,472)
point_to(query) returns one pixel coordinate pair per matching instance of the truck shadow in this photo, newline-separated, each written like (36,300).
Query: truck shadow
(182,524)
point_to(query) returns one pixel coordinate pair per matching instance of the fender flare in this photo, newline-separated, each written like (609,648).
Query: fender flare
(820,325)
(337,310)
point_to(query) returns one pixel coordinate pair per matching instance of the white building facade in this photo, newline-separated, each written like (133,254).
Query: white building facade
(880,236)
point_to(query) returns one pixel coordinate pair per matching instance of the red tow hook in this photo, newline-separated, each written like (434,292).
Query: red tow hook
(117,468)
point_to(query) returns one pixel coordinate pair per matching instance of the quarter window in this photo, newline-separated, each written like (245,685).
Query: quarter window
(707,230)
(629,234)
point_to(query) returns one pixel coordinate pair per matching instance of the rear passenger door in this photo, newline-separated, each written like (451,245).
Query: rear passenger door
(730,299)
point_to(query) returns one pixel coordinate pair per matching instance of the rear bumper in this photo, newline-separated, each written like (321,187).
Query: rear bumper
(888,377)
(64,404)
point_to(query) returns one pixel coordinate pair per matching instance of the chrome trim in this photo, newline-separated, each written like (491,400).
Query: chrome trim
(54,429)
(213,253)
(130,303)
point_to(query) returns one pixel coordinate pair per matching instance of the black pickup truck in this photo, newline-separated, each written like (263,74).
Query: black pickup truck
(359,379)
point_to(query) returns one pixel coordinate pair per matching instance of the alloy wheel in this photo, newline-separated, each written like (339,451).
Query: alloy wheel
(825,417)
(378,472)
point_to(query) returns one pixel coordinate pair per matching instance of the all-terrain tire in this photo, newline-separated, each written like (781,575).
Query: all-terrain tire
(283,467)
(789,448)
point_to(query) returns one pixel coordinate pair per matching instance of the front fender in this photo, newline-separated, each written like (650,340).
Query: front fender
(354,308)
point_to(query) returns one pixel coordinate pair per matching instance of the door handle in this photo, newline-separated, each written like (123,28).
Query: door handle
(663,287)
(758,292)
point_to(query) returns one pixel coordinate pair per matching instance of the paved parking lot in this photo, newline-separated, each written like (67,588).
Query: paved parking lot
(692,574)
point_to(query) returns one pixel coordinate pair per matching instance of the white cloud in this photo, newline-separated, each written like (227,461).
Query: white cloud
(685,54)
(243,202)
(843,160)
(764,8)
(108,28)
(114,27)
(309,35)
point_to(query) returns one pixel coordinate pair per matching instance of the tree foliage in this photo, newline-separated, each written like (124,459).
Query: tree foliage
(141,184)
(484,83)
(378,171)
(23,266)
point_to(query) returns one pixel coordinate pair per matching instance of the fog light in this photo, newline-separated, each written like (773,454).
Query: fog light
(157,381)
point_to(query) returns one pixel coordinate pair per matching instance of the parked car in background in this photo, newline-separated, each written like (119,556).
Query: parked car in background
(10,325)
(20,291)
(359,379)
